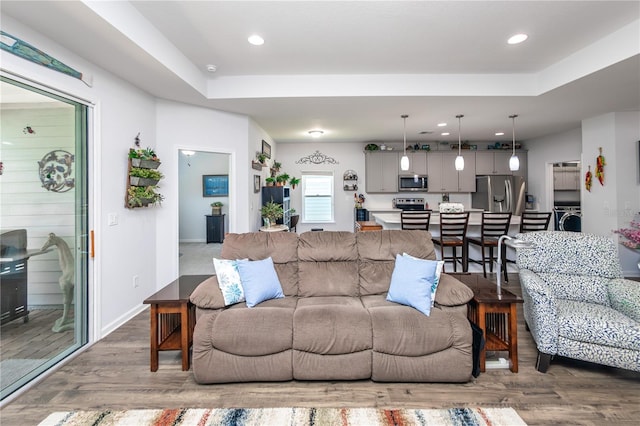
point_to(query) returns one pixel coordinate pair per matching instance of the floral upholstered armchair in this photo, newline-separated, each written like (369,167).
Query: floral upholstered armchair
(576,303)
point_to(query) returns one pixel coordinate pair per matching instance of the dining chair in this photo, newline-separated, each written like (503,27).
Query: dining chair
(453,234)
(534,221)
(418,219)
(493,226)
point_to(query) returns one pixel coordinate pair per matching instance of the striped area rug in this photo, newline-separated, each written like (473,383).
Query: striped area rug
(289,416)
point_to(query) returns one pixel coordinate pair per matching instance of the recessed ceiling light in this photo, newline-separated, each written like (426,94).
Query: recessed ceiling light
(211,68)
(518,38)
(442,124)
(316,133)
(256,40)
(499,133)
(444,134)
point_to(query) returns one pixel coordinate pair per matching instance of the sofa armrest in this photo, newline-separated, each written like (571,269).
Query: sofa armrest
(624,296)
(540,311)
(452,292)
(208,295)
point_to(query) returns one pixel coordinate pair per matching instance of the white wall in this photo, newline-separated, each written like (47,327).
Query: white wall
(192,204)
(614,204)
(543,152)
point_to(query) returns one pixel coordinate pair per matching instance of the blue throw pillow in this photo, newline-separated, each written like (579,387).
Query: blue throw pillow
(411,283)
(436,279)
(259,281)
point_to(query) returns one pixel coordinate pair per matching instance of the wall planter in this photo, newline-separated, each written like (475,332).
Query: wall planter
(143,179)
(138,181)
(147,164)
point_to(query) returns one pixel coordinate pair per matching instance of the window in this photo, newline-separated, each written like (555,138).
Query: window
(317,191)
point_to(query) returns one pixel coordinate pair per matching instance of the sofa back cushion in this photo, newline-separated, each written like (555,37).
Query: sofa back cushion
(327,264)
(378,250)
(282,247)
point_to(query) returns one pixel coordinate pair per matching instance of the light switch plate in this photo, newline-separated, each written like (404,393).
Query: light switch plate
(112,219)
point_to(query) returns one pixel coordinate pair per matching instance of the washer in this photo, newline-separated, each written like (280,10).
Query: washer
(567,218)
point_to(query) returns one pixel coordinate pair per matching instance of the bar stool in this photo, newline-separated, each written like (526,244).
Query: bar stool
(494,225)
(415,219)
(453,233)
(534,221)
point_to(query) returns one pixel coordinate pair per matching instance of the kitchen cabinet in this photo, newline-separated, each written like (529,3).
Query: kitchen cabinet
(443,177)
(215,228)
(417,163)
(381,171)
(493,162)
(566,178)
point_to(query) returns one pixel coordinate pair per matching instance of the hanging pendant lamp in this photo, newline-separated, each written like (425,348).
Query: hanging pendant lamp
(514,162)
(459,163)
(404,161)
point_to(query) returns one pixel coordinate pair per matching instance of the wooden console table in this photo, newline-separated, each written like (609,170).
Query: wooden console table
(173,318)
(368,225)
(496,315)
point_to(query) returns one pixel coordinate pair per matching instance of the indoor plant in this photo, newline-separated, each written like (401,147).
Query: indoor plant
(293,182)
(282,179)
(272,212)
(216,208)
(145,158)
(139,196)
(261,158)
(270,181)
(144,177)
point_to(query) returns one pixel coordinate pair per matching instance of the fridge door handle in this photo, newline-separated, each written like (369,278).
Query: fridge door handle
(508,194)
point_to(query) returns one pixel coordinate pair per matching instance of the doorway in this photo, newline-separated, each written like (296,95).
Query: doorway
(44,231)
(203,180)
(566,196)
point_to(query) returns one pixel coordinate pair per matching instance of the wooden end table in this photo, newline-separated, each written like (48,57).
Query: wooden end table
(173,318)
(495,314)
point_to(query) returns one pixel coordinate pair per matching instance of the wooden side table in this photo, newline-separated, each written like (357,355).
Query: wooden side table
(173,318)
(496,315)
(368,225)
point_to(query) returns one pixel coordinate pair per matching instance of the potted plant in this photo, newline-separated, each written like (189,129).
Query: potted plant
(270,181)
(216,208)
(272,212)
(293,182)
(282,179)
(145,158)
(261,158)
(139,176)
(139,196)
(275,168)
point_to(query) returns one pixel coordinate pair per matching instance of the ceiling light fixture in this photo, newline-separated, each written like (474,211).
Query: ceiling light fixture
(517,38)
(514,162)
(444,134)
(212,68)
(499,133)
(316,133)
(442,124)
(459,163)
(256,40)
(404,161)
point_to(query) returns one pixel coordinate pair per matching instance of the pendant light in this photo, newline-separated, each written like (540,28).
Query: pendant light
(404,161)
(459,163)
(514,162)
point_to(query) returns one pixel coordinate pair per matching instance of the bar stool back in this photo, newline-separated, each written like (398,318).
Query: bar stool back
(415,219)
(534,221)
(453,234)
(494,225)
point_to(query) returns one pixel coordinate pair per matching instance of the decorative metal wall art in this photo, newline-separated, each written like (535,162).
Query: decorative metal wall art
(317,158)
(28,130)
(55,171)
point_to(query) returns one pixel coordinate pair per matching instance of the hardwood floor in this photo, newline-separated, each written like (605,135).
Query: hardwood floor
(114,374)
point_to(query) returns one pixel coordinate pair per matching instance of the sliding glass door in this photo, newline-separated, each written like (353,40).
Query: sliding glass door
(43,231)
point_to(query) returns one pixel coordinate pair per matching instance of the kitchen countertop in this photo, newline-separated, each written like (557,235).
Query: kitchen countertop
(475,219)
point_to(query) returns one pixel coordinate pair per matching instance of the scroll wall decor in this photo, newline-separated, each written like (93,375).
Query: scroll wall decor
(317,158)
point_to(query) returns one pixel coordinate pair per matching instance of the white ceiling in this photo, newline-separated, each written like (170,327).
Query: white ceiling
(352,68)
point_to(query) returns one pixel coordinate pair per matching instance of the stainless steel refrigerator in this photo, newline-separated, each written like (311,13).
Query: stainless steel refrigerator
(501,193)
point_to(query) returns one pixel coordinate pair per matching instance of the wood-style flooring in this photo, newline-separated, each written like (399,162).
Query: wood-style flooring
(114,374)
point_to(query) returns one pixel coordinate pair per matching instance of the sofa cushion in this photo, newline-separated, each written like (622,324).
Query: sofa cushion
(282,247)
(229,280)
(411,282)
(377,251)
(259,281)
(624,296)
(594,323)
(327,264)
(250,332)
(581,288)
(331,325)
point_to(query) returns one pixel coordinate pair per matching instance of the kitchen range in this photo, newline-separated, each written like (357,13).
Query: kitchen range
(409,204)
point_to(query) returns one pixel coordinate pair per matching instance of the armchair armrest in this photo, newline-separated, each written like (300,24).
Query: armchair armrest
(624,296)
(208,295)
(452,292)
(540,311)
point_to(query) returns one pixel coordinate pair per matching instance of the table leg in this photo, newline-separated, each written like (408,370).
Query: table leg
(184,335)
(513,337)
(154,337)
(482,323)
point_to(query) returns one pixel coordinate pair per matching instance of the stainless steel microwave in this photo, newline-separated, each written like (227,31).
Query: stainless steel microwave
(416,183)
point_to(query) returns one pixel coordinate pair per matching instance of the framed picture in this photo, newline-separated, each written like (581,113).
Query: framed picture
(266,149)
(256,183)
(215,185)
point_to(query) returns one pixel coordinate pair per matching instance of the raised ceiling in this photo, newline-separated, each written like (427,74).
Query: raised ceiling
(352,68)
